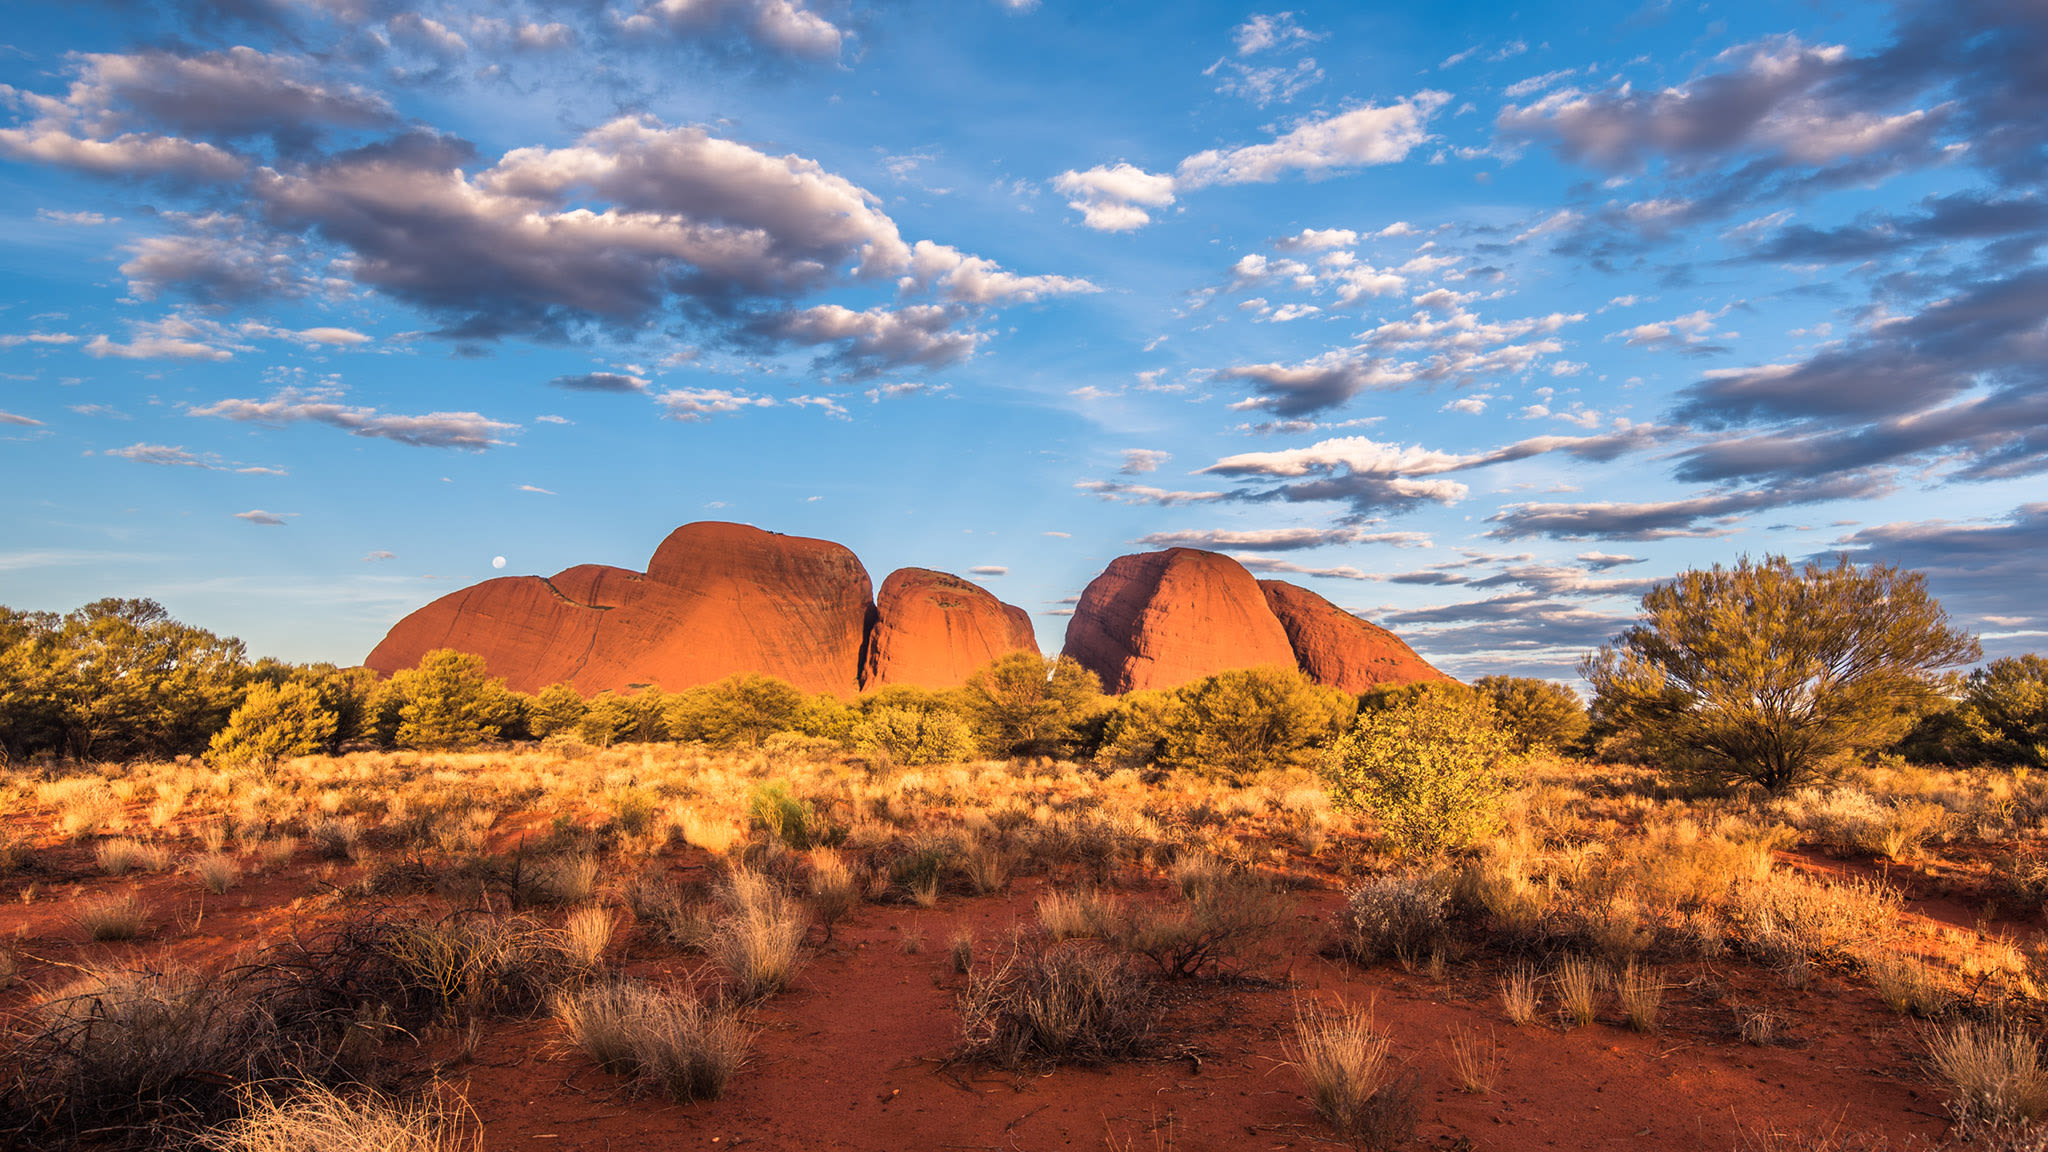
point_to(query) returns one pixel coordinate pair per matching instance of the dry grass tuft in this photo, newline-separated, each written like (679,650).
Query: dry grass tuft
(670,1040)
(122,856)
(1906,985)
(1520,994)
(1351,1078)
(314,1118)
(586,933)
(1578,983)
(1995,1073)
(1641,992)
(761,939)
(111,917)
(217,872)
(1477,1060)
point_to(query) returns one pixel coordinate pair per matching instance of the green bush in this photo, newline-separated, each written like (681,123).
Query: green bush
(1024,704)
(1133,731)
(555,708)
(448,703)
(1429,764)
(1537,715)
(1245,721)
(274,722)
(642,717)
(913,736)
(2005,706)
(738,711)
(774,809)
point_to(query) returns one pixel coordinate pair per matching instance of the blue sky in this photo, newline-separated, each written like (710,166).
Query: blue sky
(1476,319)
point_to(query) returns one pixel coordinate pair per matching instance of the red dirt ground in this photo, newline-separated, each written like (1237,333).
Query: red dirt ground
(854,1054)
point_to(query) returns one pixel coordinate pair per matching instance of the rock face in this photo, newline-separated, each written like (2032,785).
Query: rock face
(1339,649)
(716,599)
(1161,619)
(932,630)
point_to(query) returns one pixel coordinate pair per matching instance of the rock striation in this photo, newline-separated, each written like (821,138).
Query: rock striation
(933,630)
(1161,619)
(716,599)
(1337,648)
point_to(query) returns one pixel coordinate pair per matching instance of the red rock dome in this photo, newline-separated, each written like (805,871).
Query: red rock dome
(1161,619)
(933,629)
(1337,648)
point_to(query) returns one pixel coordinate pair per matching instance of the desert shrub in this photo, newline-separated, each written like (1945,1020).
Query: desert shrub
(274,723)
(1351,1077)
(760,941)
(1133,729)
(1396,916)
(1784,918)
(112,680)
(1242,722)
(1905,983)
(1024,704)
(555,708)
(914,736)
(1994,1073)
(478,964)
(1071,1003)
(1536,715)
(311,1117)
(1223,915)
(670,1040)
(773,809)
(738,711)
(2006,711)
(1428,765)
(1762,672)
(448,703)
(1850,820)
(611,718)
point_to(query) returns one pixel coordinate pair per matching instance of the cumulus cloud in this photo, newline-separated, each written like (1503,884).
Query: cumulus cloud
(877,339)
(469,430)
(693,405)
(1114,198)
(1138,460)
(785,26)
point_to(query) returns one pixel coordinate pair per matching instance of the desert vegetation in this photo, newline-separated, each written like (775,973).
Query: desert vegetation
(278,906)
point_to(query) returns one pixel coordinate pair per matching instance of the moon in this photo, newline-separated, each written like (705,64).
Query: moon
(497,561)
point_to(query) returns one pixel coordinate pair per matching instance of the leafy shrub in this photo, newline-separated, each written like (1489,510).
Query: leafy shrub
(1537,715)
(2006,709)
(555,708)
(773,809)
(1024,704)
(609,718)
(274,723)
(448,703)
(1245,721)
(914,736)
(1134,729)
(738,711)
(1429,765)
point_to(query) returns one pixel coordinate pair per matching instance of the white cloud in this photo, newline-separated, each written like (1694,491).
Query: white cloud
(1119,493)
(19,420)
(989,570)
(695,404)
(267,519)
(469,430)
(1113,198)
(1369,135)
(1137,460)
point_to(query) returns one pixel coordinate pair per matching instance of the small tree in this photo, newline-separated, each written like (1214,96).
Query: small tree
(1024,704)
(274,722)
(2006,708)
(744,709)
(1429,764)
(1245,721)
(450,702)
(555,708)
(914,736)
(1537,715)
(1763,671)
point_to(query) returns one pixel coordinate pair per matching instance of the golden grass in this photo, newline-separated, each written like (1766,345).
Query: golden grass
(1351,1077)
(314,1118)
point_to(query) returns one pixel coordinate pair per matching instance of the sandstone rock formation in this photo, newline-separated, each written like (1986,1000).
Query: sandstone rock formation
(1161,619)
(932,630)
(716,599)
(1337,648)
